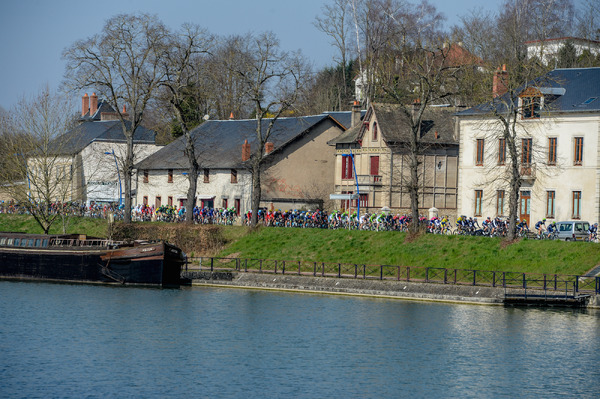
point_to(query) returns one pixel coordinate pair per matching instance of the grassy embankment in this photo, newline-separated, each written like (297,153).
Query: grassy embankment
(377,248)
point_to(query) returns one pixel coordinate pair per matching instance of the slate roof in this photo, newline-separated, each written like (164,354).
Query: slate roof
(344,117)
(218,143)
(85,133)
(570,90)
(394,128)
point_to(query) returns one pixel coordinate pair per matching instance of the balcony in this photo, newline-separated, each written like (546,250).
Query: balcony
(369,180)
(527,171)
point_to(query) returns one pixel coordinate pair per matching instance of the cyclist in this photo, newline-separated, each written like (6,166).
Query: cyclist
(540,226)
(592,232)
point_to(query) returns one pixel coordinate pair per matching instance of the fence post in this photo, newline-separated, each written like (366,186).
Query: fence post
(493,279)
(544,281)
(212,260)
(524,282)
(474,277)
(260,265)
(246,265)
(315,269)
(555,282)
(364,272)
(455,275)
(275,267)
(576,283)
(355,270)
(339,270)
(504,279)
(298,268)
(237,264)
(323,269)
(407,273)
(381,272)
(597,285)
(282,267)
(426,274)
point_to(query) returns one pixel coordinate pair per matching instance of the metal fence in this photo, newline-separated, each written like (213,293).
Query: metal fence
(547,282)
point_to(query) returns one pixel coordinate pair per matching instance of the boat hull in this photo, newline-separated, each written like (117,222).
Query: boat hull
(155,264)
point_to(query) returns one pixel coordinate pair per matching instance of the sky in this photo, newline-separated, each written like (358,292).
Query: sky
(34,33)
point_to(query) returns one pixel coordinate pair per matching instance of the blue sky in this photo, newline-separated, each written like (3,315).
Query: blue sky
(33,33)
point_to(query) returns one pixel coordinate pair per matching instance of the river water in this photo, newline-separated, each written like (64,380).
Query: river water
(83,341)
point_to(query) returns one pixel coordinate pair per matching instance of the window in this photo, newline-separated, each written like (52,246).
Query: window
(500,202)
(234,176)
(238,206)
(526,152)
(224,203)
(576,204)
(478,198)
(170,200)
(501,151)
(206,176)
(375,131)
(146,176)
(531,103)
(364,200)
(550,197)
(479,157)
(374,166)
(145,200)
(347,167)
(158,202)
(170,176)
(552,151)
(578,155)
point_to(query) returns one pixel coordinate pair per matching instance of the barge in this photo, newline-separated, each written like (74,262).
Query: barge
(81,259)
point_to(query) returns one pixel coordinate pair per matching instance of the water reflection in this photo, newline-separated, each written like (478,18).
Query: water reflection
(69,340)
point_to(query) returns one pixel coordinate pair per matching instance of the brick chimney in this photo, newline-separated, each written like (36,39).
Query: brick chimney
(269,147)
(500,85)
(93,104)
(245,151)
(85,104)
(355,114)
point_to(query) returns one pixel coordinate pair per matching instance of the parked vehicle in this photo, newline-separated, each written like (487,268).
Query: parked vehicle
(573,230)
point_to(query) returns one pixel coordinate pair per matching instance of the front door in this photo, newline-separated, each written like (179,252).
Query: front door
(525,206)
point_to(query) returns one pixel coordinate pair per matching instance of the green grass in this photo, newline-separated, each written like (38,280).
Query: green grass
(375,248)
(26,224)
(392,248)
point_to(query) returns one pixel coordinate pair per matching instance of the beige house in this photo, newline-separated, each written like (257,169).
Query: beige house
(371,160)
(298,171)
(558,149)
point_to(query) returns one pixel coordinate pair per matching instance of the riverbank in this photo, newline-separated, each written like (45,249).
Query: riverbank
(449,293)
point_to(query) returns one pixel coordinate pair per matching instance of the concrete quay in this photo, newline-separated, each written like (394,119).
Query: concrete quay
(392,289)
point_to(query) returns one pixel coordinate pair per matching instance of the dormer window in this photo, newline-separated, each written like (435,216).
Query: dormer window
(374,131)
(531,100)
(531,103)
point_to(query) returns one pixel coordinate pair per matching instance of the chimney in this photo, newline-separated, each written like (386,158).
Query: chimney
(93,104)
(85,104)
(269,147)
(500,85)
(245,151)
(355,114)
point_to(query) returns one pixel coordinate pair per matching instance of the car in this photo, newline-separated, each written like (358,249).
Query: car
(572,230)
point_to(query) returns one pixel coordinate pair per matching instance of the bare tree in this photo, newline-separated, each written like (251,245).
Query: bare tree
(38,168)
(271,82)
(335,23)
(123,64)
(182,65)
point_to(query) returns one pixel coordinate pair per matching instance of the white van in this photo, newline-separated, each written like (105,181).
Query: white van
(572,230)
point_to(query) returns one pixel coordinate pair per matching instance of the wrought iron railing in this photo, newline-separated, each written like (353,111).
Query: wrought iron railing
(437,275)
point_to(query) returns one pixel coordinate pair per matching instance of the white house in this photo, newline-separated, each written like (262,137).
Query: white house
(558,148)
(87,160)
(547,50)
(298,169)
